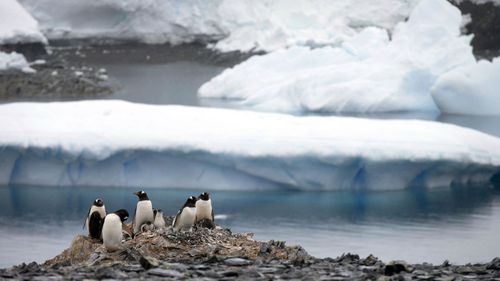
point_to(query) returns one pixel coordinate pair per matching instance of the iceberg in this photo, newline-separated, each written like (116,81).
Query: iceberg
(117,143)
(17,25)
(370,72)
(472,89)
(245,26)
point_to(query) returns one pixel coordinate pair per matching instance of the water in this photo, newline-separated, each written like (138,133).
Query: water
(159,74)
(460,225)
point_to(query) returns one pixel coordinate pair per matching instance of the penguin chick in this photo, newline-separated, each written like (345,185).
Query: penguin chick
(112,229)
(147,227)
(186,215)
(159,221)
(95,218)
(204,209)
(143,211)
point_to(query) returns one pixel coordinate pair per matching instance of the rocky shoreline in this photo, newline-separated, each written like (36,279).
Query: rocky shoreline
(219,254)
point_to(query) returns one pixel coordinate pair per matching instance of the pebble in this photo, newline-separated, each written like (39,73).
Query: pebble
(237,261)
(165,273)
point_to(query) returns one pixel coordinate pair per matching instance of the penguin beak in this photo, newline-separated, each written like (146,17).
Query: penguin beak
(136,193)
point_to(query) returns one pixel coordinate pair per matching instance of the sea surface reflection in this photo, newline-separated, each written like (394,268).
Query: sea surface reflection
(460,225)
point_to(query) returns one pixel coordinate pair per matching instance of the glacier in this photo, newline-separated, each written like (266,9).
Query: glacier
(245,26)
(417,68)
(118,143)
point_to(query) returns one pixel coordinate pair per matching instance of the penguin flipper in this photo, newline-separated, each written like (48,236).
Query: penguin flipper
(174,223)
(85,221)
(213,215)
(133,219)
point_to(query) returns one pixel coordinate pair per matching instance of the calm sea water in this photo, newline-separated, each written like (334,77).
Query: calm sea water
(460,225)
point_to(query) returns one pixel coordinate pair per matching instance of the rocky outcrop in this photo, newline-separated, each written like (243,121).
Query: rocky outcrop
(484,24)
(198,246)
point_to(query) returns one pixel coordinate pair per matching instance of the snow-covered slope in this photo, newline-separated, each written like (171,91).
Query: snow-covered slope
(242,25)
(115,143)
(368,73)
(17,25)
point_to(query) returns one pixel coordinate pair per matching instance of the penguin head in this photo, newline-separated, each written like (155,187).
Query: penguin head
(142,195)
(98,202)
(157,212)
(123,214)
(190,202)
(204,196)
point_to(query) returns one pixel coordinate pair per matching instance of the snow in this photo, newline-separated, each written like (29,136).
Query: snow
(116,143)
(17,25)
(9,61)
(245,25)
(367,73)
(472,89)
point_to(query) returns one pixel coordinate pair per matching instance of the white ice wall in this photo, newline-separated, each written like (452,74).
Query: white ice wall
(115,143)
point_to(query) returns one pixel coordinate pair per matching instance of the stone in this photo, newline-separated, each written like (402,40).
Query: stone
(149,262)
(165,273)
(237,262)
(395,267)
(109,273)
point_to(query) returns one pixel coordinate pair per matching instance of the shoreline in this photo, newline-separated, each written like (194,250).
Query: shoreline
(215,254)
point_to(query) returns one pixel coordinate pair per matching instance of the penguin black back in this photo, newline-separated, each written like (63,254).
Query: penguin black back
(95,225)
(123,214)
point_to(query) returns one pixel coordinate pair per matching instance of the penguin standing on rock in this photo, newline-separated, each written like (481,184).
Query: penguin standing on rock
(143,211)
(95,218)
(204,209)
(112,229)
(159,221)
(186,216)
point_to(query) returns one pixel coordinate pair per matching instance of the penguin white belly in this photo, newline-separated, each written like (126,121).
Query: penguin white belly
(203,210)
(186,218)
(143,214)
(101,210)
(112,232)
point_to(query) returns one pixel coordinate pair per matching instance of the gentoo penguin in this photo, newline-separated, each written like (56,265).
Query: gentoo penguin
(95,218)
(112,229)
(186,215)
(204,208)
(159,221)
(143,211)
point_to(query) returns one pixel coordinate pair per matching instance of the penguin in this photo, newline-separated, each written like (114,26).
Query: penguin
(159,221)
(143,211)
(204,208)
(95,218)
(112,229)
(186,215)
